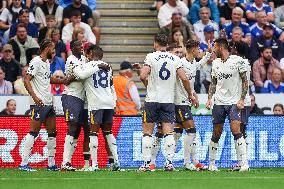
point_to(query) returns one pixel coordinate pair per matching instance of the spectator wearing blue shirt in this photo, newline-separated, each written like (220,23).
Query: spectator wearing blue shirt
(237,16)
(257,28)
(209,36)
(227,9)
(258,5)
(56,63)
(274,85)
(32,29)
(193,15)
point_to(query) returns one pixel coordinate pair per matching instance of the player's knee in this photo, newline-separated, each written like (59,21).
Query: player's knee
(237,136)
(72,129)
(191,130)
(105,133)
(159,135)
(52,134)
(178,130)
(34,134)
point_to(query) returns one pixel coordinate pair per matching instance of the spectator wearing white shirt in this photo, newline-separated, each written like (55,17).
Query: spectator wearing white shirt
(5,86)
(279,17)
(282,67)
(166,11)
(199,26)
(76,21)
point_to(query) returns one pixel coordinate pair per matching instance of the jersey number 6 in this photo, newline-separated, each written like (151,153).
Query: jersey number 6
(164,73)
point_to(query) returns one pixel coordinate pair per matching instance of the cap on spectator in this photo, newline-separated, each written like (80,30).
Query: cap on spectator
(125,65)
(268,25)
(208,28)
(7,47)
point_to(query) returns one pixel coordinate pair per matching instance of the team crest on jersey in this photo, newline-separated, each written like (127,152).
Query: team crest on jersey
(224,76)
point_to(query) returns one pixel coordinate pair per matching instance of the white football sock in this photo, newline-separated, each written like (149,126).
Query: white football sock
(27,149)
(193,152)
(155,149)
(213,147)
(67,149)
(73,148)
(94,150)
(86,160)
(176,137)
(146,149)
(188,141)
(241,151)
(169,148)
(51,147)
(112,146)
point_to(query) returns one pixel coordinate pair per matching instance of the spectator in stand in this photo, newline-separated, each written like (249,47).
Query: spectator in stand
(177,22)
(266,40)
(6,87)
(50,24)
(278,109)
(208,36)
(199,26)
(12,67)
(86,16)
(19,85)
(177,37)
(263,67)
(254,109)
(49,7)
(282,67)
(237,37)
(10,109)
(128,99)
(194,13)
(274,85)
(237,16)
(56,63)
(32,29)
(78,34)
(166,11)
(257,28)
(10,14)
(21,43)
(279,17)
(57,89)
(258,5)
(76,21)
(60,47)
(226,11)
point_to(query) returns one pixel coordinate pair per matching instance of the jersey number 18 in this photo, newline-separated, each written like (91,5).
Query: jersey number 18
(100,79)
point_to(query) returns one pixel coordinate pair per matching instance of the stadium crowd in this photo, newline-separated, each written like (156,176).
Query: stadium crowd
(257,24)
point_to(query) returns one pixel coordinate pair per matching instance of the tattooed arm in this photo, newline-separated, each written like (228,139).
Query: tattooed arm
(211,92)
(244,85)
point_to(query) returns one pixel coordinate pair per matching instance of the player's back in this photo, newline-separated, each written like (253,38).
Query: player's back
(99,89)
(162,78)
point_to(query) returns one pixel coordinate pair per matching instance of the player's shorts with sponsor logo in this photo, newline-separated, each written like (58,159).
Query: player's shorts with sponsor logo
(102,116)
(41,113)
(73,108)
(155,112)
(220,112)
(245,114)
(183,113)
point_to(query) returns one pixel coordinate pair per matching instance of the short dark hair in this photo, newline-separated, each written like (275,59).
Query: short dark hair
(21,25)
(161,39)
(264,48)
(191,44)
(24,10)
(97,51)
(240,48)
(173,46)
(44,44)
(278,105)
(74,42)
(3,69)
(75,13)
(223,42)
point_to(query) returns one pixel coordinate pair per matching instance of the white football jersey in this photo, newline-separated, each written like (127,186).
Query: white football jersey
(228,79)
(40,71)
(98,85)
(75,88)
(247,100)
(190,68)
(162,78)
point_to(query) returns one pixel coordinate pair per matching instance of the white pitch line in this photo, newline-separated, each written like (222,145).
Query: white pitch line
(130,178)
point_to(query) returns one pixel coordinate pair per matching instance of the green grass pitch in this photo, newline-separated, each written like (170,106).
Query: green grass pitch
(272,178)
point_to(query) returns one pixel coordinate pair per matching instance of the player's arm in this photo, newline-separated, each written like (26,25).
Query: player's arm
(27,83)
(240,103)
(211,92)
(144,74)
(186,84)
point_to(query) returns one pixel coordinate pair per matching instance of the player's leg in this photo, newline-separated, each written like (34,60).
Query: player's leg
(109,154)
(156,146)
(35,124)
(218,119)
(240,143)
(149,117)
(167,117)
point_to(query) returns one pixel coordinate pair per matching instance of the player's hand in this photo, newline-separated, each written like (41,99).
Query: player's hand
(209,44)
(192,99)
(241,104)
(68,79)
(104,67)
(196,103)
(38,101)
(209,104)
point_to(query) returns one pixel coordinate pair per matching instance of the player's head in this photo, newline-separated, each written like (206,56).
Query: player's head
(221,45)
(47,47)
(94,52)
(76,47)
(160,40)
(238,48)
(175,49)
(192,47)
